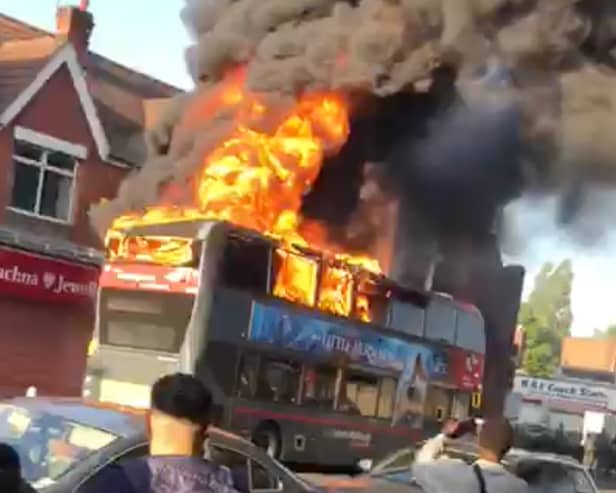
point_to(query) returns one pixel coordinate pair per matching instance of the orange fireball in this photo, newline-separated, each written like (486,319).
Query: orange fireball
(257,179)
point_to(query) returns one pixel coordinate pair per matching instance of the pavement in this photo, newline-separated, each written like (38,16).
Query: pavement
(607,486)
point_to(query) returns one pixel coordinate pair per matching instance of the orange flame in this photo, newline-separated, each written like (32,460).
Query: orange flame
(336,293)
(296,278)
(256,179)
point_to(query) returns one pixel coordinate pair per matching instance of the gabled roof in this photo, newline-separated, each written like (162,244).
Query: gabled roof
(12,29)
(119,94)
(64,56)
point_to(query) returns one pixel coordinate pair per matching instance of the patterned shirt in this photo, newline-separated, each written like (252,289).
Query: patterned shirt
(163,475)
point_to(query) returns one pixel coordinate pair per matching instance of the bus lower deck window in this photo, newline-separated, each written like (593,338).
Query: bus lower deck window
(360,395)
(278,381)
(387,395)
(248,375)
(319,387)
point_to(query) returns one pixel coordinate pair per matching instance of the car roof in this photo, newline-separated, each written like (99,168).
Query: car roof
(519,455)
(118,420)
(515,455)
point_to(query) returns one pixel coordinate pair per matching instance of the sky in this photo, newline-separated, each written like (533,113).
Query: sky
(148,35)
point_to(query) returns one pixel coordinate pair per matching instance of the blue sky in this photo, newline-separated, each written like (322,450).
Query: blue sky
(146,35)
(149,36)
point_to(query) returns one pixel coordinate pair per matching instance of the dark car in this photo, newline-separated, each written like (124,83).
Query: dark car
(63,443)
(543,472)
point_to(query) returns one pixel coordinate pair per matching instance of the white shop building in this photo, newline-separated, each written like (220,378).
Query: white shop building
(552,402)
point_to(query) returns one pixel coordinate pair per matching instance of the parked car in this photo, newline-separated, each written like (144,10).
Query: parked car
(64,443)
(542,471)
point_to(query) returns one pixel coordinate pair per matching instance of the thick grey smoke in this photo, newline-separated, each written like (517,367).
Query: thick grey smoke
(550,59)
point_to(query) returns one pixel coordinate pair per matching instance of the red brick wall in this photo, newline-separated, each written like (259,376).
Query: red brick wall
(6,176)
(43,345)
(56,111)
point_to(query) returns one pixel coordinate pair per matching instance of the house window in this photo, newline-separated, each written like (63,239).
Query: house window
(43,181)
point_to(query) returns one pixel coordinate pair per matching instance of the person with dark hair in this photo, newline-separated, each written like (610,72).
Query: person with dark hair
(177,425)
(438,473)
(10,472)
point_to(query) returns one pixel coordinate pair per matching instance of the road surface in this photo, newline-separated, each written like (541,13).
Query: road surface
(605,486)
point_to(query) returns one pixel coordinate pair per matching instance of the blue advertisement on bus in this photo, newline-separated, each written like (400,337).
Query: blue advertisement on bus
(295,331)
(417,363)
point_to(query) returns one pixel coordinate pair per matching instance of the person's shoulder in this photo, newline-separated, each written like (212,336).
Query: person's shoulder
(516,483)
(442,464)
(112,478)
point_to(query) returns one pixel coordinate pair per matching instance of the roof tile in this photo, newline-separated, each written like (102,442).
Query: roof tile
(120,93)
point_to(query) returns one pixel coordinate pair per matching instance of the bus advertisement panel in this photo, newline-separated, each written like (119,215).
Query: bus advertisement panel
(416,364)
(279,327)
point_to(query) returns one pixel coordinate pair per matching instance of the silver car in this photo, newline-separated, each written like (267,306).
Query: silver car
(64,443)
(544,472)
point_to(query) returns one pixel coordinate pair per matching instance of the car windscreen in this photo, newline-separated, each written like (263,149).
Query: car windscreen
(48,445)
(549,476)
(397,460)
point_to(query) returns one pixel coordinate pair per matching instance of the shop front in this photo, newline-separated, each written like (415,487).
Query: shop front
(47,317)
(562,404)
(454,394)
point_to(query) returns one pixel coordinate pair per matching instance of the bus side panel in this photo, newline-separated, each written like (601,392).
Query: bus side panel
(227,320)
(310,436)
(329,439)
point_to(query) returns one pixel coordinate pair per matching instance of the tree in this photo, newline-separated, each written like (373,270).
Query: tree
(610,332)
(546,317)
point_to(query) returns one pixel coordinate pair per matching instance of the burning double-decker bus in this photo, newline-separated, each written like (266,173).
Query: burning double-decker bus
(316,358)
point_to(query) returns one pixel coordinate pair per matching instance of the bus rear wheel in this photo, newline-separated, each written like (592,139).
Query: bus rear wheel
(267,437)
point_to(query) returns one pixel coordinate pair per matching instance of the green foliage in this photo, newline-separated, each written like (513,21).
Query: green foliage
(610,332)
(546,317)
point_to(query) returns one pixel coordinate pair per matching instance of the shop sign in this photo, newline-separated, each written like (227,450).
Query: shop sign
(158,278)
(562,390)
(466,368)
(35,277)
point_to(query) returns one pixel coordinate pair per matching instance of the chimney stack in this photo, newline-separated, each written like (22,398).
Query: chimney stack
(74,25)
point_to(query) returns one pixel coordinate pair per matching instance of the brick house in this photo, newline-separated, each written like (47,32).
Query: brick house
(71,128)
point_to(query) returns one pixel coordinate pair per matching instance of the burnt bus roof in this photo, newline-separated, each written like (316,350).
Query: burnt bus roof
(196,229)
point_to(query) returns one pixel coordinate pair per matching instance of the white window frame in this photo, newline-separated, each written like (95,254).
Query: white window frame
(48,144)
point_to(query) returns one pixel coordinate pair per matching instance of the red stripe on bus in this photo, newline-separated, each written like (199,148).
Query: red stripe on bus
(415,434)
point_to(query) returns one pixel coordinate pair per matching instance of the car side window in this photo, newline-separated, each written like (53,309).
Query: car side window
(262,480)
(133,453)
(248,475)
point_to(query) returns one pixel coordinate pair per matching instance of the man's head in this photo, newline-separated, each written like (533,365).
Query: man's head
(495,439)
(179,416)
(10,469)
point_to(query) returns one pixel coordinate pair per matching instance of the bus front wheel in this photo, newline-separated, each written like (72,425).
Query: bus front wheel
(267,437)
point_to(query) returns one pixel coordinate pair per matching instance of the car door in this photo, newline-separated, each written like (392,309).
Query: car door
(133,452)
(251,475)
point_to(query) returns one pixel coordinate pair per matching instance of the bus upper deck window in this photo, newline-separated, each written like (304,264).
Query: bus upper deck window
(295,277)
(245,264)
(336,290)
(371,302)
